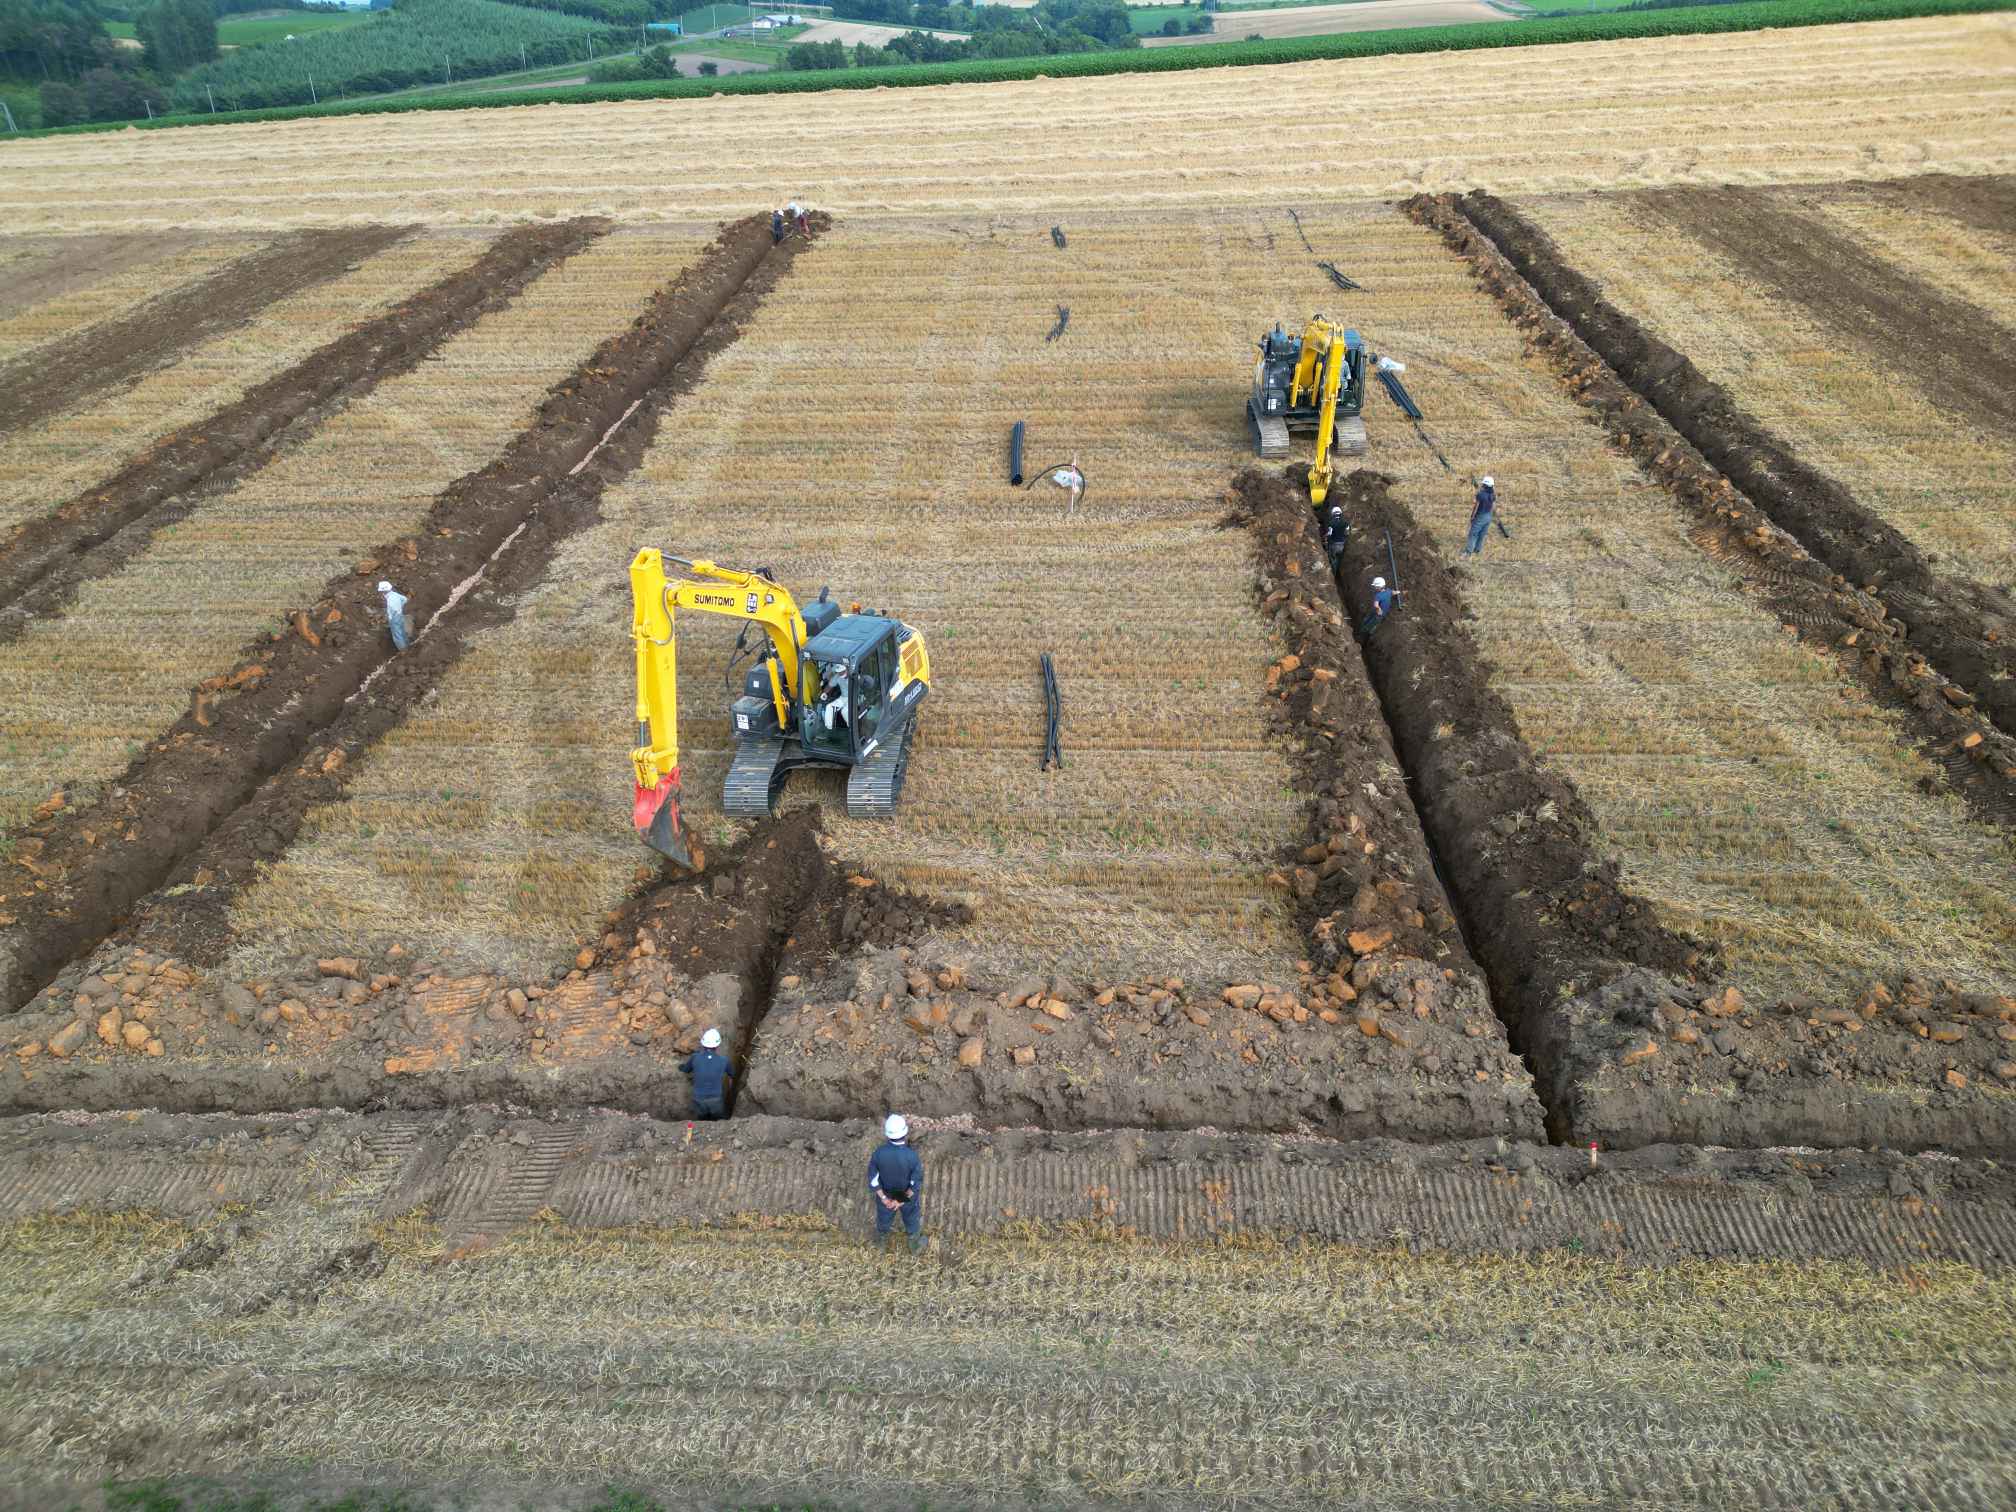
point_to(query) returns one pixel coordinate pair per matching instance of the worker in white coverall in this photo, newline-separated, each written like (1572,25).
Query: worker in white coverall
(395,615)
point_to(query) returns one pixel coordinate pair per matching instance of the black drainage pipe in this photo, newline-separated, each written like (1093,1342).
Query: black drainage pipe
(1015,453)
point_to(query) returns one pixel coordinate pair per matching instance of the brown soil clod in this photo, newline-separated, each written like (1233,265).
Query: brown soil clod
(1919,644)
(50,379)
(44,561)
(65,892)
(1629,1043)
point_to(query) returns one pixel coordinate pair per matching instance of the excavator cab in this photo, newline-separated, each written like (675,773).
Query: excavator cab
(1290,382)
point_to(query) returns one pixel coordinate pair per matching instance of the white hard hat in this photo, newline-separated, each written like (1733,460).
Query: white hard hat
(1336,509)
(896,1126)
(1487,480)
(1378,582)
(711,1039)
(384,586)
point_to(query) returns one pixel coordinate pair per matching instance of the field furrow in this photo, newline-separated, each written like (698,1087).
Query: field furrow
(133,645)
(856,437)
(45,464)
(44,305)
(1751,790)
(1859,396)
(1862,101)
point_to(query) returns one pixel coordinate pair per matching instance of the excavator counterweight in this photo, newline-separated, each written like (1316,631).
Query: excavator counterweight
(828,688)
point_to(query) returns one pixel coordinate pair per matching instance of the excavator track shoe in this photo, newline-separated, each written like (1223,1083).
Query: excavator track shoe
(875,786)
(1270,435)
(755,778)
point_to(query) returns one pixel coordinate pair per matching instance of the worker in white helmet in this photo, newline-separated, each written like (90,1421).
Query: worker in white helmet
(1382,605)
(1480,516)
(395,615)
(712,1074)
(896,1183)
(1336,532)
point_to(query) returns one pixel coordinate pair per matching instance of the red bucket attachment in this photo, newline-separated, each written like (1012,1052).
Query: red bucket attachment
(656,815)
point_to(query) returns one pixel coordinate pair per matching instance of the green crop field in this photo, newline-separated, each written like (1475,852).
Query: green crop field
(251,31)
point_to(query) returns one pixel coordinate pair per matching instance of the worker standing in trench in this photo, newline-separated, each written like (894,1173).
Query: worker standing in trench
(1382,605)
(896,1184)
(395,615)
(711,1072)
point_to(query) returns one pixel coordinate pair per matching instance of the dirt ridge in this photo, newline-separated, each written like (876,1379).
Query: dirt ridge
(1630,1038)
(189,917)
(1972,642)
(1975,757)
(44,561)
(49,379)
(74,875)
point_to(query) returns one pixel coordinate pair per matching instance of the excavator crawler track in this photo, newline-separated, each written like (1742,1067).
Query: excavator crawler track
(875,786)
(1270,434)
(755,778)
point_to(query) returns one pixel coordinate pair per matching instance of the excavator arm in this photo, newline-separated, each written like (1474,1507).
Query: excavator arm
(654,604)
(1324,358)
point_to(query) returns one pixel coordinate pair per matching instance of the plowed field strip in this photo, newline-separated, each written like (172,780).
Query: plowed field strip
(46,560)
(1987,203)
(68,891)
(54,377)
(1952,349)
(40,270)
(1960,628)
(690,324)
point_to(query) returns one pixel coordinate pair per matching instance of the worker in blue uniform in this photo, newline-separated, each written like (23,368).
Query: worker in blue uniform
(711,1072)
(1382,605)
(896,1183)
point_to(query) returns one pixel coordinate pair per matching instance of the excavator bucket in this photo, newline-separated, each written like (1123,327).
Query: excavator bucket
(661,825)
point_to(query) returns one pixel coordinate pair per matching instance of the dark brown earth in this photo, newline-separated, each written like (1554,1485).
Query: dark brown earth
(467,1167)
(1965,630)
(189,917)
(59,264)
(72,877)
(1977,759)
(55,377)
(1987,203)
(1959,355)
(1386,1029)
(44,561)
(1630,1039)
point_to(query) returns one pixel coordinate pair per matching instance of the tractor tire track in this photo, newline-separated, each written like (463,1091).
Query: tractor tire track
(1947,668)
(75,875)
(52,378)
(44,561)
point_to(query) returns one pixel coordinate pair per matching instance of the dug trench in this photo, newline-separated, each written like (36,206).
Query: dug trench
(1893,659)
(44,561)
(819,976)
(75,874)
(1386,1029)
(49,379)
(1631,1040)
(1881,589)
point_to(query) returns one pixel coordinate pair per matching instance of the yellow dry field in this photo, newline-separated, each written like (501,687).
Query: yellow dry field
(80,692)
(768,1366)
(1945,481)
(46,464)
(1323,20)
(856,437)
(68,313)
(1748,787)
(1836,102)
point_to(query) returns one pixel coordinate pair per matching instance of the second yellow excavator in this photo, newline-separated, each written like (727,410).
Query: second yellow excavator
(829,688)
(1315,381)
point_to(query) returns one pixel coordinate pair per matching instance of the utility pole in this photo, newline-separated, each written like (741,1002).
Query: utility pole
(4,111)
(150,106)
(213,98)
(313,97)
(521,56)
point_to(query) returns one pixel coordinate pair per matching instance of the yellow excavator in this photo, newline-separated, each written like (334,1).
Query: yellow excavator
(1315,381)
(828,688)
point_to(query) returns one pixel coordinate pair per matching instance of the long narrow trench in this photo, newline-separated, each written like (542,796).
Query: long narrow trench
(44,561)
(67,891)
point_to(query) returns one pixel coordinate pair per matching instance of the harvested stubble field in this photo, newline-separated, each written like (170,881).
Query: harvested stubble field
(58,285)
(1880,100)
(1754,791)
(43,464)
(1868,329)
(134,644)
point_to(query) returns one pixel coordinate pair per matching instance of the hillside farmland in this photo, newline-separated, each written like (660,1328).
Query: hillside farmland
(1632,907)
